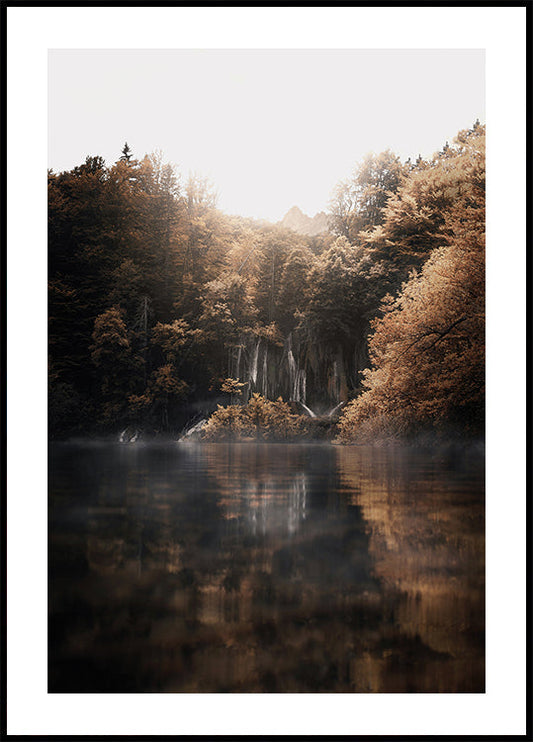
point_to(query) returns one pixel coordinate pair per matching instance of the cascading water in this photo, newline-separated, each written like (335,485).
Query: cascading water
(129,435)
(253,364)
(237,374)
(299,371)
(293,375)
(193,432)
(335,409)
(264,386)
(297,385)
(300,386)
(335,380)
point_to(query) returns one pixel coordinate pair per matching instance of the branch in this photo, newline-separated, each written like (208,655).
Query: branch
(442,335)
(427,334)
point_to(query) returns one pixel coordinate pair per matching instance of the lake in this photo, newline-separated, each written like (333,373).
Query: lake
(247,568)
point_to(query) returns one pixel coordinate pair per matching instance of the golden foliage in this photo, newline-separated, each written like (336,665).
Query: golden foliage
(110,341)
(270,333)
(171,338)
(232,386)
(261,419)
(427,350)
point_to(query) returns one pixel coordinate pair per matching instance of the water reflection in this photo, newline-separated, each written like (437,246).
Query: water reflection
(426,537)
(259,485)
(265,568)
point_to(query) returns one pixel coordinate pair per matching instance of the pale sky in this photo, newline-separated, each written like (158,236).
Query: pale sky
(270,128)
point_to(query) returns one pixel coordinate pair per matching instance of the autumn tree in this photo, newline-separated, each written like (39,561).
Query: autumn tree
(165,388)
(162,213)
(206,241)
(116,365)
(358,201)
(336,294)
(232,387)
(228,316)
(156,297)
(260,418)
(80,258)
(427,350)
(413,222)
(293,294)
(275,246)
(113,235)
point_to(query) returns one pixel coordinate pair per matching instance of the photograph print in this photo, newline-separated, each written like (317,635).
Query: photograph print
(266,377)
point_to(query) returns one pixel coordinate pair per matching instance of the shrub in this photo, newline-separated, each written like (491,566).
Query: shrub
(261,418)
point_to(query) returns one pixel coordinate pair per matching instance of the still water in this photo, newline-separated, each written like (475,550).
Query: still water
(265,568)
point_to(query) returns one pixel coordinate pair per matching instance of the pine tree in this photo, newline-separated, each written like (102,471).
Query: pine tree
(126,153)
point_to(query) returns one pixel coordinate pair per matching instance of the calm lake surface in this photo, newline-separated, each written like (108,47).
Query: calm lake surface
(250,567)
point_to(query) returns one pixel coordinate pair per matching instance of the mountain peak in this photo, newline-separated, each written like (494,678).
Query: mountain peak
(294,210)
(296,220)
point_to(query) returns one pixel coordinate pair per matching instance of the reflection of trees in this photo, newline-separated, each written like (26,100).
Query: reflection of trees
(266,499)
(426,529)
(130,526)
(266,568)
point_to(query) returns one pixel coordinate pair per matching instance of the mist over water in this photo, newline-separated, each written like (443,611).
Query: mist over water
(265,568)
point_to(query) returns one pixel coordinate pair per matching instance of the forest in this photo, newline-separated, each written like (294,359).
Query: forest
(164,311)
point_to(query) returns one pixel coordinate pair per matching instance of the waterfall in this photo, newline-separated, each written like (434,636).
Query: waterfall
(293,370)
(309,412)
(292,364)
(253,365)
(293,375)
(300,385)
(334,382)
(298,392)
(193,432)
(334,410)
(237,371)
(264,386)
(299,371)
(297,375)
(129,435)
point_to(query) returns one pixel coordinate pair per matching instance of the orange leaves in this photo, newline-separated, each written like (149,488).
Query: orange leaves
(427,350)
(110,341)
(232,386)
(260,419)
(164,382)
(171,338)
